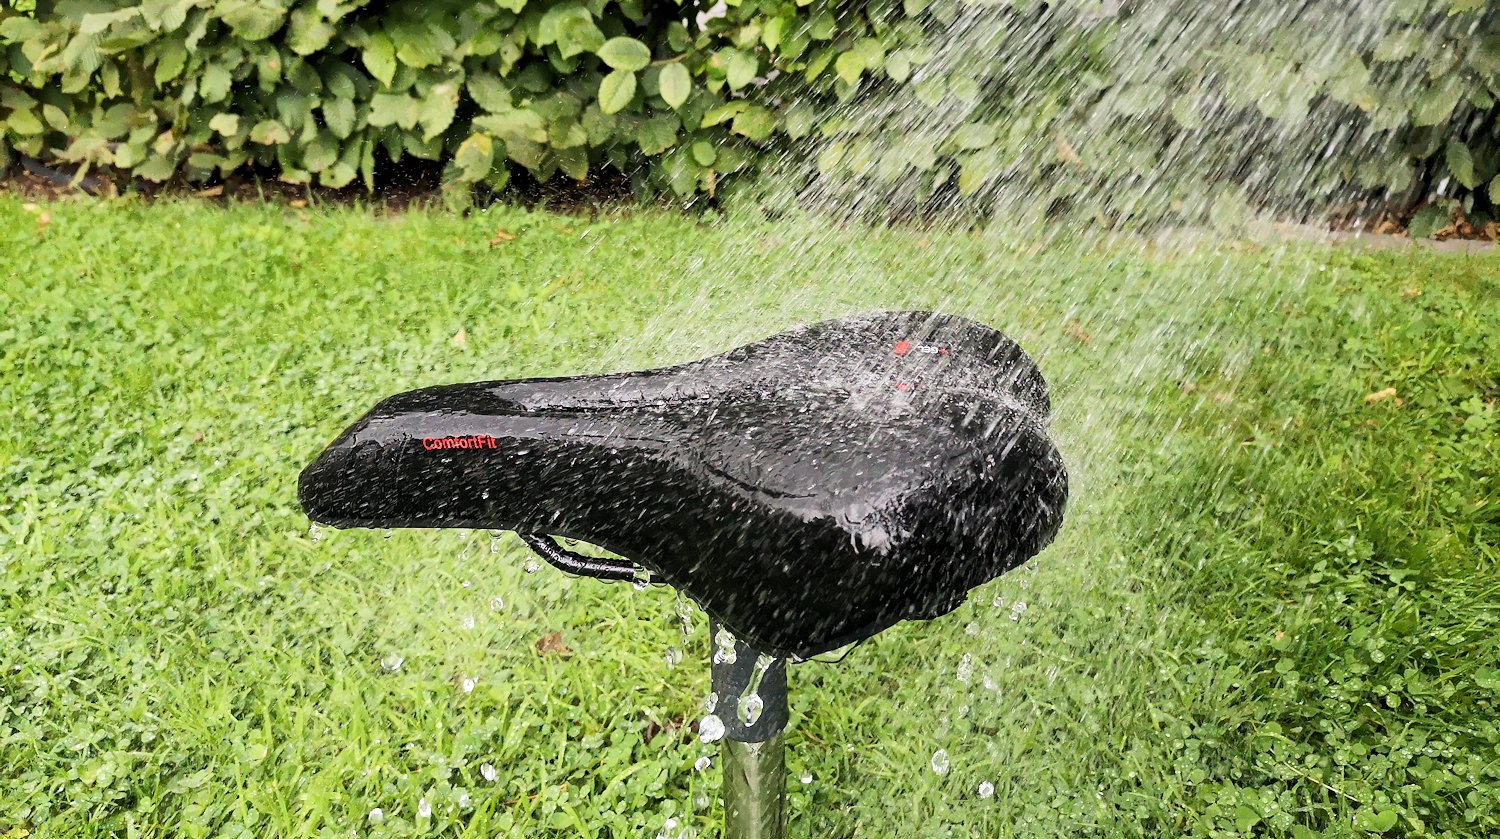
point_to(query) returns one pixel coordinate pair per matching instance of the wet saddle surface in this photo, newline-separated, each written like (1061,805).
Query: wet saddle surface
(807,490)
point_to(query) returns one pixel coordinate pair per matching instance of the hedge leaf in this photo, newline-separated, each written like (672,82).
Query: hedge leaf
(616,90)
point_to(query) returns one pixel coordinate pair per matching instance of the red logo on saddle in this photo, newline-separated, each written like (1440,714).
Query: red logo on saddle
(904,347)
(478,441)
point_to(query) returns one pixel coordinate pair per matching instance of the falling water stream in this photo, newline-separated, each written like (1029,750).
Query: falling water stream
(1192,205)
(1166,233)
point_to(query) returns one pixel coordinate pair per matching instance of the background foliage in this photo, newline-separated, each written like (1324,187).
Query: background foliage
(908,104)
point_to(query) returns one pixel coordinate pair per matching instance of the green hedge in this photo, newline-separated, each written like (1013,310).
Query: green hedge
(316,89)
(1186,110)
(1144,109)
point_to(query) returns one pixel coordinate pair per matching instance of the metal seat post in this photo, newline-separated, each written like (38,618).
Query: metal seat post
(754,753)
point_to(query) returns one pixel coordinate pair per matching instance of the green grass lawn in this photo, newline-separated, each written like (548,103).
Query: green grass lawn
(1273,610)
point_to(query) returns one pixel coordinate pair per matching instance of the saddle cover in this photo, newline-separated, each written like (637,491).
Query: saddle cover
(807,490)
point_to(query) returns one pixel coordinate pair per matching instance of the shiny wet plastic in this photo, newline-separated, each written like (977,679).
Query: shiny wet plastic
(807,490)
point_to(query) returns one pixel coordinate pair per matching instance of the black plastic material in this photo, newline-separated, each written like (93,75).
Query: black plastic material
(807,490)
(731,680)
(576,563)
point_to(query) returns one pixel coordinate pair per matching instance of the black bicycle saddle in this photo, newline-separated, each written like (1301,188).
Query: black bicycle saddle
(807,490)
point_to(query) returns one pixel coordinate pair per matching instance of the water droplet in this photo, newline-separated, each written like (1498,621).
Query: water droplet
(711,702)
(469,684)
(750,708)
(807,778)
(487,772)
(971,629)
(702,763)
(940,761)
(684,610)
(464,803)
(468,622)
(710,729)
(532,566)
(642,579)
(966,668)
(465,584)
(724,652)
(314,533)
(424,809)
(497,603)
(986,789)
(1018,610)
(376,816)
(392,663)
(495,542)
(673,656)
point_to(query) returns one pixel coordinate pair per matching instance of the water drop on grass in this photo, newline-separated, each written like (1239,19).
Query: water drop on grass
(685,615)
(392,663)
(986,789)
(497,603)
(966,668)
(806,779)
(532,566)
(463,801)
(469,684)
(940,761)
(702,763)
(468,622)
(377,816)
(710,729)
(314,533)
(1018,610)
(424,809)
(487,772)
(711,702)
